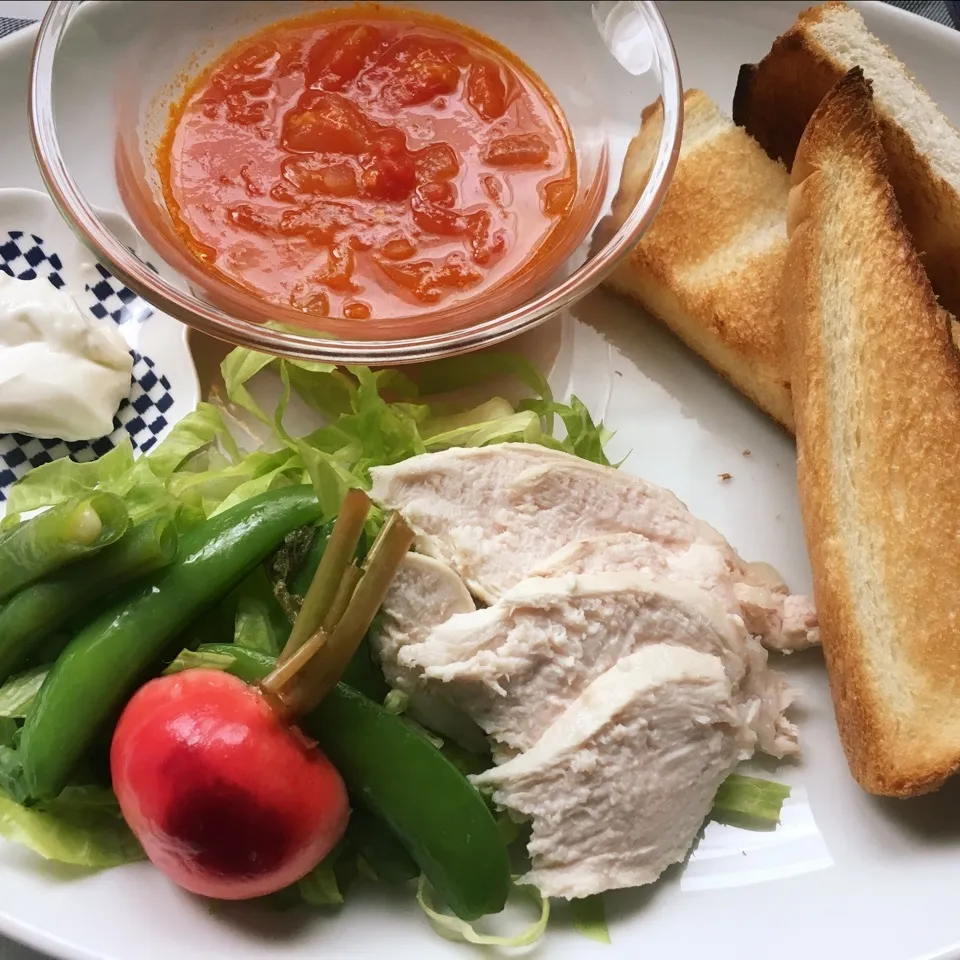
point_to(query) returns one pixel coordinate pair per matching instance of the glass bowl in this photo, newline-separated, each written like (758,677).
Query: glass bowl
(105,74)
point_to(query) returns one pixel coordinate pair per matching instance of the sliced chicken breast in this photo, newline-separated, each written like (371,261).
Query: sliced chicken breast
(704,566)
(424,594)
(496,513)
(618,786)
(784,622)
(515,666)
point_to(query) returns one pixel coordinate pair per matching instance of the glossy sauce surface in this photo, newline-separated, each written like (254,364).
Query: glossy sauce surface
(371,167)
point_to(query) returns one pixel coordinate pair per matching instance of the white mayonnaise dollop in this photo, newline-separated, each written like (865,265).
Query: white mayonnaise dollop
(63,373)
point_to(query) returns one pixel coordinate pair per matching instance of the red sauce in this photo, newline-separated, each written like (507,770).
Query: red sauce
(368,166)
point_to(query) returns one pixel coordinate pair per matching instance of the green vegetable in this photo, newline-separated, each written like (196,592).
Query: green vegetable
(380,848)
(319,887)
(72,529)
(749,802)
(38,611)
(82,826)
(454,928)
(196,444)
(367,429)
(584,439)
(18,693)
(372,418)
(104,663)
(590,918)
(441,820)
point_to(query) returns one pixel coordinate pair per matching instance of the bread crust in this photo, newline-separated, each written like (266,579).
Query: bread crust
(876,390)
(775,98)
(709,266)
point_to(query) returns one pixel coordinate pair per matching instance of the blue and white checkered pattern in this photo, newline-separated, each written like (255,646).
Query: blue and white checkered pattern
(112,299)
(142,415)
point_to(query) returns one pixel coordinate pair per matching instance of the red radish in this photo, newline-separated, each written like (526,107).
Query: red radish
(228,800)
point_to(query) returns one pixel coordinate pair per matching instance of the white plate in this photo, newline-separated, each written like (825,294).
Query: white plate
(847,875)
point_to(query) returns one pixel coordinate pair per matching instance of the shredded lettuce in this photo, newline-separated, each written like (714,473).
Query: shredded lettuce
(319,887)
(453,928)
(396,702)
(82,827)
(199,659)
(370,418)
(16,695)
(590,918)
(749,802)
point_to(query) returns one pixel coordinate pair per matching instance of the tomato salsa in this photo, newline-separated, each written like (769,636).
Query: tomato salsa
(367,165)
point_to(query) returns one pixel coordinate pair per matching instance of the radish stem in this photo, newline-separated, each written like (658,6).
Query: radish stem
(351,577)
(285,672)
(321,674)
(323,588)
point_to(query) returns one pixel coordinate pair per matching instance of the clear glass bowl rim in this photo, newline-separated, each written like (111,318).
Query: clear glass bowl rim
(195,313)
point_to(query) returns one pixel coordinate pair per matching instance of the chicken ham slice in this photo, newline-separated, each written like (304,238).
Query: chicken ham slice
(424,593)
(618,786)
(496,513)
(514,667)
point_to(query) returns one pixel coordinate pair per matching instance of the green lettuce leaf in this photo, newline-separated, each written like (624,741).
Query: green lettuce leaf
(453,928)
(749,802)
(590,918)
(584,438)
(82,827)
(319,887)
(372,418)
(18,692)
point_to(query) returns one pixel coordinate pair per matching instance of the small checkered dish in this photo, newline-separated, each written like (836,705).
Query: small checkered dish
(35,244)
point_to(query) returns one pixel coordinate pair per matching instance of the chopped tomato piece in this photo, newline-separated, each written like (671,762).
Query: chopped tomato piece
(408,48)
(357,310)
(249,218)
(305,298)
(337,272)
(443,193)
(398,248)
(493,188)
(338,57)
(326,123)
(317,174)
(486,91)
(389,142)
(422,79)
(428,280)
(387,178)
(436,219)
(517,149)
(436,162)
(319,221)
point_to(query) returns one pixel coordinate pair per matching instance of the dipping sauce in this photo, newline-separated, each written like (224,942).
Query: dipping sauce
(363,163)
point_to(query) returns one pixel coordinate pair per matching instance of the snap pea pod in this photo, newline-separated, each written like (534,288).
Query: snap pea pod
(52,539)
(103,664)
(401,777)
(381,849)
(31,616)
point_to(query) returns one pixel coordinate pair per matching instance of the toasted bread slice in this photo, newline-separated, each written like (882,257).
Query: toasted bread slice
(876,390)
(776,97)
(709,266)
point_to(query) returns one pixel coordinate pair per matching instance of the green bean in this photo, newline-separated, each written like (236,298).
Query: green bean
(54,538)
(103,664)
(31,616)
